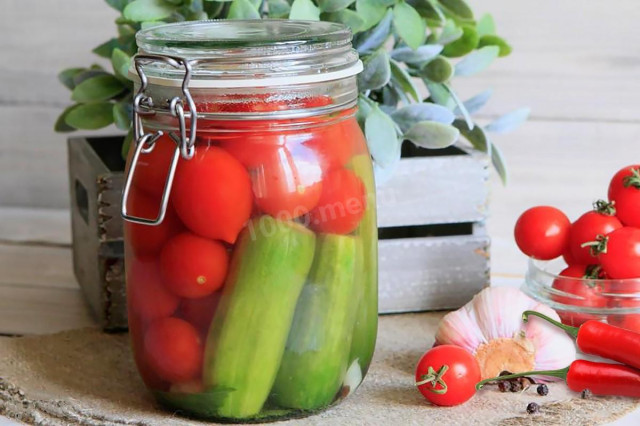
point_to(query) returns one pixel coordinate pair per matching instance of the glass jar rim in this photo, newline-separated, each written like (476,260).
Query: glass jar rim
(247,53)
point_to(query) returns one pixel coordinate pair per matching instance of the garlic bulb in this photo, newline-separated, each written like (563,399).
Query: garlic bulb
(490,326)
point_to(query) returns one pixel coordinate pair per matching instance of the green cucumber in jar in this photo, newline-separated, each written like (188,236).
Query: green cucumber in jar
(317,353)
(249,331)
(366,324)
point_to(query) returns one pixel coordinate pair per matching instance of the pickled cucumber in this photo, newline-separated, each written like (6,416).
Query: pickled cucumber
(317,354)
(249,331)
(366,323)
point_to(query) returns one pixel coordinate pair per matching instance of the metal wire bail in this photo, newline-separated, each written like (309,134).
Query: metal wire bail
(145,142)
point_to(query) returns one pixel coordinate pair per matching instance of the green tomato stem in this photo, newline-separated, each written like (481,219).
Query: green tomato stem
(434,378)
(633,180)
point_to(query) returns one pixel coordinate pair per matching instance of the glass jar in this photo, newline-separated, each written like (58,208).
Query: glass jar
(250,233)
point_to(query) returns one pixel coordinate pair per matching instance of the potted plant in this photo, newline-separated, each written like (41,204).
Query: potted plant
(412,50)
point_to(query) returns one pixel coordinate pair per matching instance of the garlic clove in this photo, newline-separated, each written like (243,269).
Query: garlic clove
(460,328)
(499,311)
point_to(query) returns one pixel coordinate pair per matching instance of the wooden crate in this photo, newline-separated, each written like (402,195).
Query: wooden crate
(434,252)
(433,248)
(96,180)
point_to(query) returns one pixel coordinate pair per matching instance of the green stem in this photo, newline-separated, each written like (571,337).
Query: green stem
(633,179)
(434,378)
(572,331)
(604,207)
(562,374)
(598,246)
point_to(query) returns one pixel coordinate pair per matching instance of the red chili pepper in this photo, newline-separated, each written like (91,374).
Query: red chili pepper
(605,340)
(598,377)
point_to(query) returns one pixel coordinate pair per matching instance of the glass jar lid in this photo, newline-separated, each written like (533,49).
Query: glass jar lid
(246,53)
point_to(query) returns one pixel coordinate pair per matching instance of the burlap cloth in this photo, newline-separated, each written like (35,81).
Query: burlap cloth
(88,377)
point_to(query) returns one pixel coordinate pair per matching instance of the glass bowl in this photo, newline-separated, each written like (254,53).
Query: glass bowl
(579,299)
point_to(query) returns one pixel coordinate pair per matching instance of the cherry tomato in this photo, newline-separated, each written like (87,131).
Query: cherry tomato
(567,255)
(146,239)
(586,229)
(575,281)
(212,194)
(542,232)
(342,203)
(289,183)
(193,266)
(147,295)
(152,169)
(333,144)
(254,148)
(173,349)
(619,253)
(624,191)
(199,312)
(450,369)
(137,327)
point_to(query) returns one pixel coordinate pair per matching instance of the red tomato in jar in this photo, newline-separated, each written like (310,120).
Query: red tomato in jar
(342,203)
(624,191)
(146,239)
(152,169)
(289,182)
(583,292)
(450,367)
(137,328)
(173,350)
(212,194)
(620,253)
(542,232)
(253,149)
(333,143)
(148,297)
(200,312)
(193,266)
(586,229)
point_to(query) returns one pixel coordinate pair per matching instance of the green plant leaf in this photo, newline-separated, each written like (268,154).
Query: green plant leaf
(408,24)
(463,45)
(458,8)
(428,10)
(118,5)
(148,10)
(486,25)
(419,56)
(494,40)
(508,122)
(403,80)
(376,37)
(126,144)
(120,62)
(382,138)
(477,61)
(104,50)
(439,94)
(377,71)
(439,70)
(371,11)
(242,9)
(460,105)
(126,31)
(66,77)
(409,115)
(87,74)
(476,136)
(476,103)
(122,112)
(432,135)
(333,5)
(61,125)
(499,163)
(279,8)
(304,9)
(90,116)
(364,108)
(450,32)
(98,88)
(347,17)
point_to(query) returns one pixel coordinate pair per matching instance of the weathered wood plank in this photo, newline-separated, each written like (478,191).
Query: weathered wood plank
(29,225)
(458,183)
(36,266)
(38,310)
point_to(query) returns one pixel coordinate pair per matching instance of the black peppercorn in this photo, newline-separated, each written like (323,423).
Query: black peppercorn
(502,386)
(515,386)
(533,408)
(542,390)
(585,394)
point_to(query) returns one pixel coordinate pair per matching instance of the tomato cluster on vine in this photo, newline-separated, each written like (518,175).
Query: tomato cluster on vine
(601,249)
